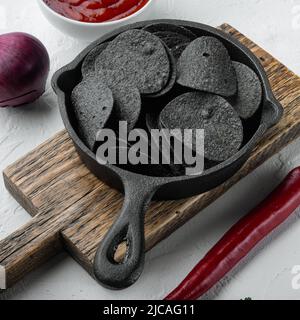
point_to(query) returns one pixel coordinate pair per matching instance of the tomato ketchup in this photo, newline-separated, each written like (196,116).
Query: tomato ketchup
(96,10)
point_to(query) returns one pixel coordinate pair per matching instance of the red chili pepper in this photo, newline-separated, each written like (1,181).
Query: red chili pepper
(241,238)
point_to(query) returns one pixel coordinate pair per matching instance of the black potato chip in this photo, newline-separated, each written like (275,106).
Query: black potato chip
(249,95)
(206,65)
(166,27)
(93,103)
(223,130)
(127,98)
(172,39)
(172,78)
(154,170)
(177,50)
(152,121)
(175,37)
(88,65)
(141,56)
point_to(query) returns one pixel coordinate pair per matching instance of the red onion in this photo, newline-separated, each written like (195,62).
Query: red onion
(24,67)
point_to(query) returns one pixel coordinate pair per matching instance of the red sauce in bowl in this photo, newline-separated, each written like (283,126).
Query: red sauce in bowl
(96,10)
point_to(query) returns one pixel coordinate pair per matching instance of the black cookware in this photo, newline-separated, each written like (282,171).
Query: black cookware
(140,189)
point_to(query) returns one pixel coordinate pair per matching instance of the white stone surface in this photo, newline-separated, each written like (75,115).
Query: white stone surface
(273,24)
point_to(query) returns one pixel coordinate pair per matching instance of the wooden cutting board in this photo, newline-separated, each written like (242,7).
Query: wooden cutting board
(73,210)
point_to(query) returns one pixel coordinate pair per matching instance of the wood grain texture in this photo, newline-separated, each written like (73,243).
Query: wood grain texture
(72,209)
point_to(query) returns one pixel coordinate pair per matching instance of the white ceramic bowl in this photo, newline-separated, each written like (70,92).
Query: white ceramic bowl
(92,31)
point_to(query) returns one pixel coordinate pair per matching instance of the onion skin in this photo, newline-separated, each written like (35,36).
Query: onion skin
(24,68)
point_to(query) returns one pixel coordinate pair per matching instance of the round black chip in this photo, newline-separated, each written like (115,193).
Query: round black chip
(141,56)
(166,27)
(172,78)
(249,94)
(177,50)
(88,65)
(127,98)
(223,130)
(175,37)
(93,104)
(172,39)
(152,121)
(206,65)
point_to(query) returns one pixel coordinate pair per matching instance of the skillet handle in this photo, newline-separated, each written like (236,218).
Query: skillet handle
(273,112)
(129,228)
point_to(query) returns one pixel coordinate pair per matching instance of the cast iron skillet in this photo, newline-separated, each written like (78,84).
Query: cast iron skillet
(140,189)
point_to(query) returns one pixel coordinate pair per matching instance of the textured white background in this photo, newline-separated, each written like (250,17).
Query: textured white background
(273,24)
